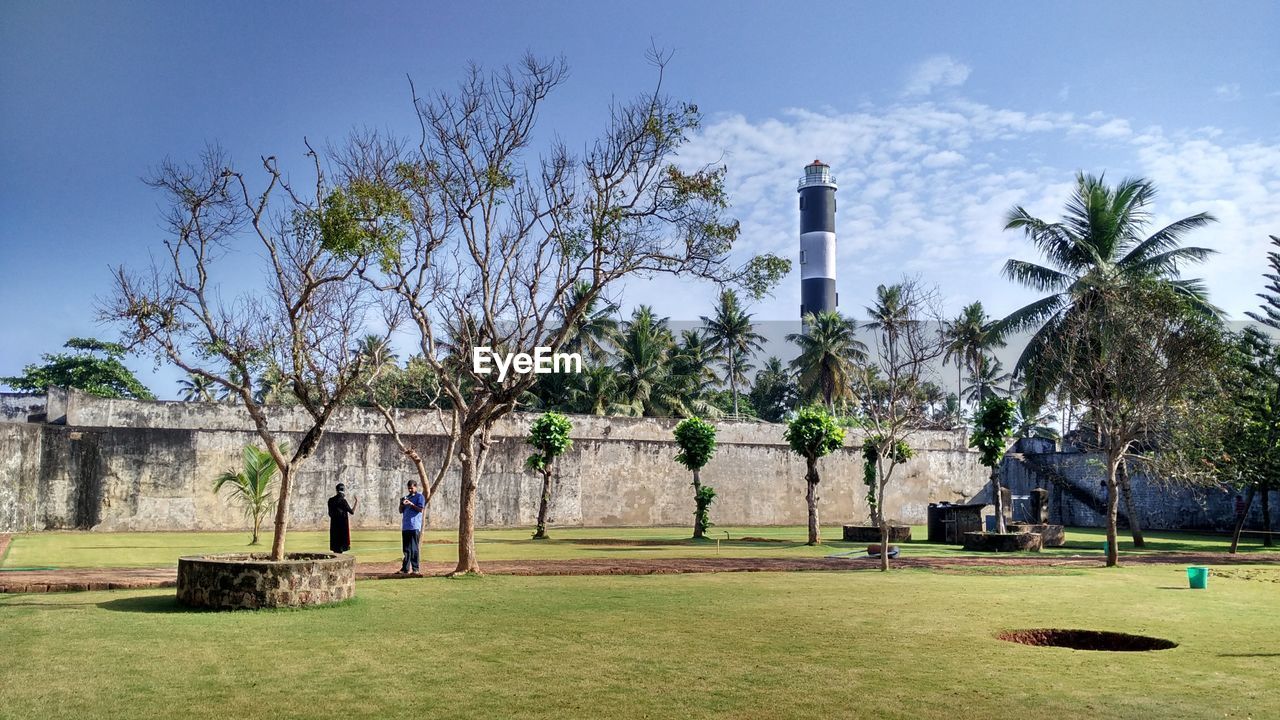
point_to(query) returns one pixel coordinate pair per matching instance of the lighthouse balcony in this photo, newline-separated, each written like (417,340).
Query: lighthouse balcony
(816,179)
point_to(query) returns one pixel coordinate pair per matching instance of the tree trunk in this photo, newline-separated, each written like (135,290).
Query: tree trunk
(543,504)
(733,383)
(1113,507)
(1266,516)
(470,458)
(995,488)
(257,524)
(1235,536)
(884,524)
(1135,524)
(811,496)
(699,532)
(282,512)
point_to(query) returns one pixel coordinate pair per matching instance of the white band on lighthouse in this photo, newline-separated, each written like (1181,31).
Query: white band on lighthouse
(818,255)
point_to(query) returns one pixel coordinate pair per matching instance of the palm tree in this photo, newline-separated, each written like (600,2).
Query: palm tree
(251,487)
(594,328)
(376,353)
(774,393)
(273,388)
(985,380)
(829,354)
(890,316)
(595,391)
(1032,422)
(691,378)
(645,352)
(733,336)
(197,388)
(969,337)
(1098,244)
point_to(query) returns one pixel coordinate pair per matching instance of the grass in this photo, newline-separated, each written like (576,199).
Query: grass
(89,549)
(909,644)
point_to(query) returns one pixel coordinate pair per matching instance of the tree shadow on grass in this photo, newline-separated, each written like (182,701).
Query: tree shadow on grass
(157,604)
(167,603)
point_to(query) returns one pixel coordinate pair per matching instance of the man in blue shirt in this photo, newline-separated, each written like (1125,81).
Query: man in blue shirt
(411,507)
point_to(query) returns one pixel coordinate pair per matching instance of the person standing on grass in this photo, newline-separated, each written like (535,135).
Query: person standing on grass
(411,507)
(339,520)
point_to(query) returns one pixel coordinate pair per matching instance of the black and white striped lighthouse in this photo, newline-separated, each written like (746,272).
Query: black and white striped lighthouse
(817,239)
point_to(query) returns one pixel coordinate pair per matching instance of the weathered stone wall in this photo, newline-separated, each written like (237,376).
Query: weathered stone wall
(1160,505)
(116,466)
(19,407)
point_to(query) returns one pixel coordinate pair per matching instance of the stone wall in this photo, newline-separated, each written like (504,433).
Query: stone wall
(129,465)
(250,582)
(1160,504)
(20,407)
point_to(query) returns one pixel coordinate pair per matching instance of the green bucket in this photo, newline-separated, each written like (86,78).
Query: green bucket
(1198,577)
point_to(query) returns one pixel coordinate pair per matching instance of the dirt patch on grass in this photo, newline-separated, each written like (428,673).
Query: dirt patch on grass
(617,542)
(1252,574)
(112,578)
(1086,640)
(999,570)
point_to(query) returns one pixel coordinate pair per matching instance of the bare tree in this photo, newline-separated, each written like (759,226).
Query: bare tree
(494,250)
(907,338)
(301,326)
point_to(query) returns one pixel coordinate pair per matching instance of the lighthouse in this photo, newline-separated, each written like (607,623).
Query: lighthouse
(817,239)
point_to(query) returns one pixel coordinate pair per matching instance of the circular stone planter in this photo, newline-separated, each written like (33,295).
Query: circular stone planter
(1086,640)
(249,581)
(1002,542)
(871,533)
(1051,535)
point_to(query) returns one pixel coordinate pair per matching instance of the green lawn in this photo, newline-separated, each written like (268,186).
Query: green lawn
(87,549)
(908,644)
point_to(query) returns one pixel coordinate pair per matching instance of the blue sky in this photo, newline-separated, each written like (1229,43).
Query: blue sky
(936,118)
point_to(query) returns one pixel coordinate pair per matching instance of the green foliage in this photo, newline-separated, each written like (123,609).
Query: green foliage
(657,375)
(763,273)
(996,420)
(829,354)
(251,487)
(872,451)
(1099,244)
(1240,435)
(722,400)
(813,433)
(95,367)
(697,441)
(774,393)
(363,218)
(734,339)
(549,434)
(702,505)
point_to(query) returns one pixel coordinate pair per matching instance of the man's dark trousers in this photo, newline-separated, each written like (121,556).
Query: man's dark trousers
(409,543)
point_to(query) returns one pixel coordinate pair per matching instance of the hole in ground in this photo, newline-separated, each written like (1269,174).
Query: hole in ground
(1086,640)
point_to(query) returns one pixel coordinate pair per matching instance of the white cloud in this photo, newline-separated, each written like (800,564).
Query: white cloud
(1228,91)
(925,187)
(935,72)
(942,159)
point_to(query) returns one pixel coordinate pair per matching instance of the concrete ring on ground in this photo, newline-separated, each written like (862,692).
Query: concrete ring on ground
(235,581)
